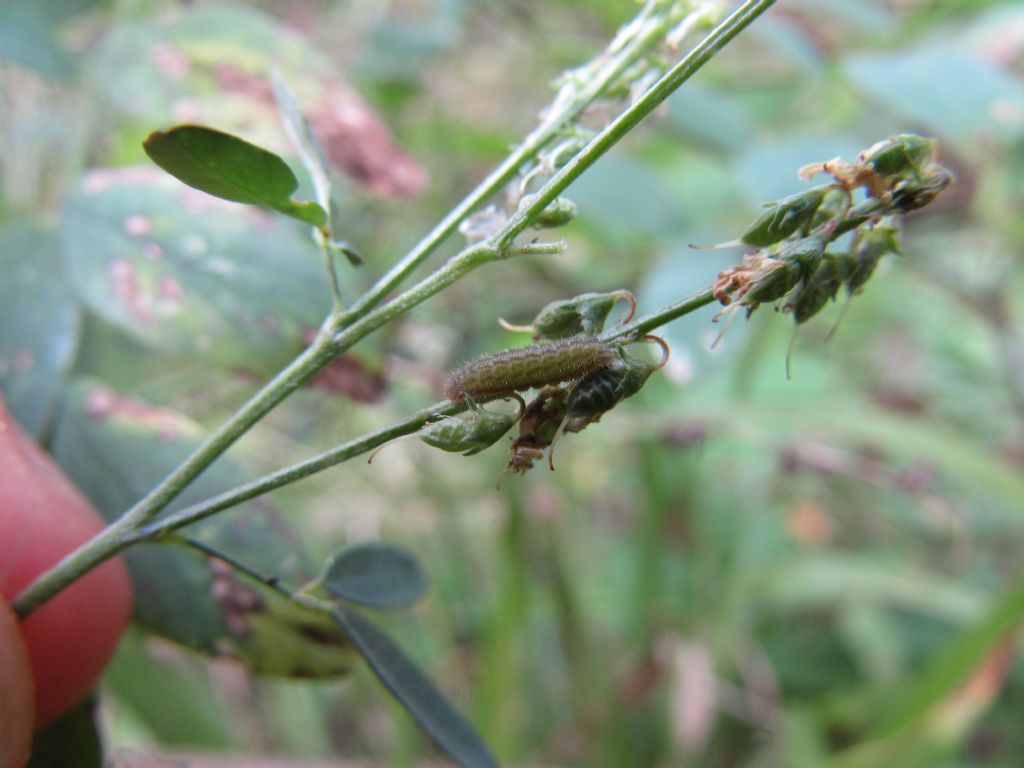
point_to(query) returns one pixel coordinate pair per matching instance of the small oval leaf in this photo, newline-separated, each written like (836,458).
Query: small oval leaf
(376,575)
(414,690)
(230,168)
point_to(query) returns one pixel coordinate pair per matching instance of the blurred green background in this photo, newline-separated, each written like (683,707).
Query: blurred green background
(731,569)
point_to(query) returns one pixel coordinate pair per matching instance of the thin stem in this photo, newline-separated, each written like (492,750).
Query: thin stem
(323,239)
(116,536)
(625,122)
(342,331)
(371,440)
(558,116)
(303,469)
(666,314)
(238,565)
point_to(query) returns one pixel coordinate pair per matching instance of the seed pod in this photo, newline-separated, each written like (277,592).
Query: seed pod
(909,195)
(815,292)
(805,253)
(874,244)
(584,314)
(559,212)
(773,283)
(602,390)
(901,154)
(480,430)
(515,370)
(859,214)
(783,218)
(832,205)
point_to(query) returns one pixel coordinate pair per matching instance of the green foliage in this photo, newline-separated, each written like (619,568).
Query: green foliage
(190,276)
(71,741)
(228,167)
(376,575)
(39,325)
(416,693)
(115,448)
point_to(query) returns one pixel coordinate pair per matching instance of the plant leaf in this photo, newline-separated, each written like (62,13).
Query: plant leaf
(950,667)
(190,275)
(39,325)
(115,449)
(71,741)
(27,39)
(227,167)
(435,715)
(376,575)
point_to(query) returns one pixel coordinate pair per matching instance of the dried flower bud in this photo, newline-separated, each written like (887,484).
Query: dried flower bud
(757,280)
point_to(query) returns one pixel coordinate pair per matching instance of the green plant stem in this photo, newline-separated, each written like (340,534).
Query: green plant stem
(291,474)
(627,120)
(653,27)
(666,314)
(116,536)
(407,426)
(340,332)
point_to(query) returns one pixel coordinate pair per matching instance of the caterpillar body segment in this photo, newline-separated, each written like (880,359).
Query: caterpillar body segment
(530,367)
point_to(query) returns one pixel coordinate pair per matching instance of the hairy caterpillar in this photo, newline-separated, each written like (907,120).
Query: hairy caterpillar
(534,366)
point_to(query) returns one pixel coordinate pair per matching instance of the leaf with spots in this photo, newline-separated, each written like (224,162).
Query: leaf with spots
(190,275)
(39,325)
(230,168)
(116,448)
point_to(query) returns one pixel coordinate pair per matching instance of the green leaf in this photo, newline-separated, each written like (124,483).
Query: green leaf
(312,155)
(710,117)
(192,276)
(438,718)
(190,709)
(227,167)
(27,39)
(72,741)
(948,669)
(302,137)
(953,92)
(115,449)
(375,574)
(39,325)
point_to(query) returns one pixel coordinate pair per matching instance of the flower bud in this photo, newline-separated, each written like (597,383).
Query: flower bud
(873,245)
(584,314)
(783,218)
(905,153)
(559,212)
(815,292)
(480,430)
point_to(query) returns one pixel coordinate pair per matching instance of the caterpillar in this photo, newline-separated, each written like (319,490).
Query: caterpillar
(534,366)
